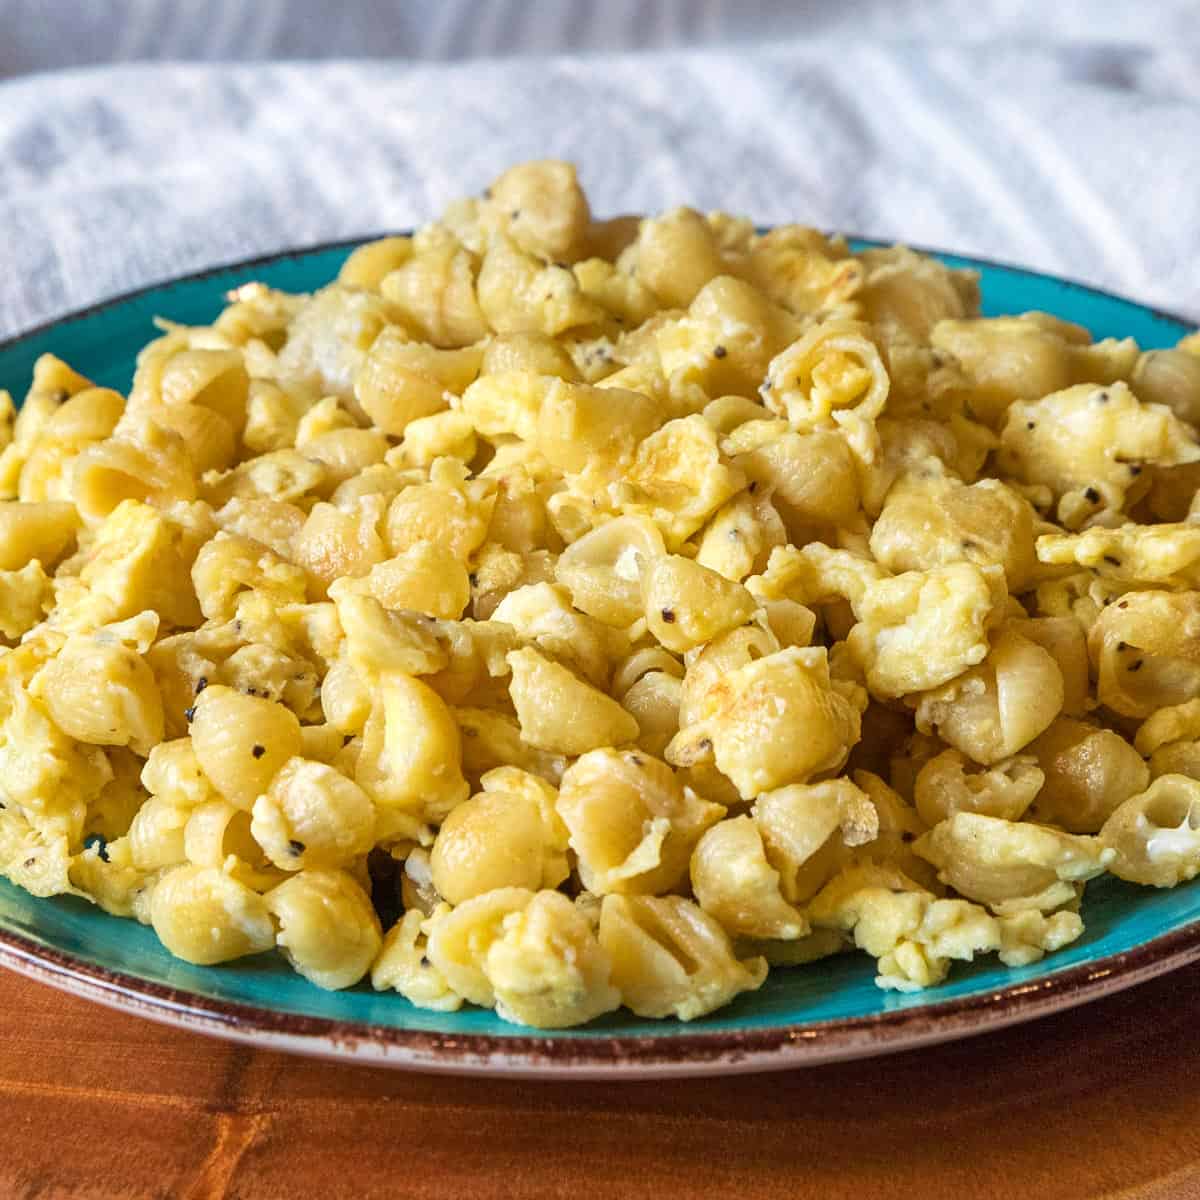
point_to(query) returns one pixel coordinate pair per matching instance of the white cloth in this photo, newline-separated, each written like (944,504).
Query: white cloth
(1082,160)
(39,35)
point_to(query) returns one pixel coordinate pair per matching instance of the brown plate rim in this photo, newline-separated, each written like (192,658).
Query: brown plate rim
(773,1047)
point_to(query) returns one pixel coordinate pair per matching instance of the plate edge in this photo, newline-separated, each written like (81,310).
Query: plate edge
(608,1056)
(119,298)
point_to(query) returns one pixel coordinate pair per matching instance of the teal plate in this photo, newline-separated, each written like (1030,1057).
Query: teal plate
(827,1011)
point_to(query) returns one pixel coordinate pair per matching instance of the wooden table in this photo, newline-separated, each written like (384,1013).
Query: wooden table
(1104,1101)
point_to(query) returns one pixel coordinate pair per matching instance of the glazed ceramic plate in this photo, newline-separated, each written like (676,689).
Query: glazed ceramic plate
(831,1010)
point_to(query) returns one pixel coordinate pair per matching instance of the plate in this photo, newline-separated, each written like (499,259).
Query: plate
(820,1013)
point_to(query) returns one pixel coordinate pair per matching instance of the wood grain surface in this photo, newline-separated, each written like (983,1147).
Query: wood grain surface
(1102,1101)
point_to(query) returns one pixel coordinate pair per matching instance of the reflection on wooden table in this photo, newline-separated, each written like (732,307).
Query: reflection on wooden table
(1103,1101)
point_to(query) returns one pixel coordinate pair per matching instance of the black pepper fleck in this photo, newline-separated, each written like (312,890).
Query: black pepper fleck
(1122,646)
(719,352)
(473,579)
(1030,424)
(258,751)
(753,486)
(30,862)
(512,216)
(1137,666)
(296,848)
(94,839)
(705,743)
(1112,560)
(424,961)
(1135,470)
(1101,397)
(1123,604)
(189,714)
(1092,496)
(201,684)
(668,616)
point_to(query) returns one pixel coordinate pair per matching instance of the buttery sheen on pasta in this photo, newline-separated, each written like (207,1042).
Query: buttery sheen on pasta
(556,614)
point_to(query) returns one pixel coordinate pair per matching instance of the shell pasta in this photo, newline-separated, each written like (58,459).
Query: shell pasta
(558,615)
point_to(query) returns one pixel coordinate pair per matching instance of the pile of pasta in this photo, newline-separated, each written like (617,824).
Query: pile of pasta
(618,607)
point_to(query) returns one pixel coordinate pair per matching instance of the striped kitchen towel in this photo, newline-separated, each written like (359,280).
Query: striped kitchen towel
(1080,159)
